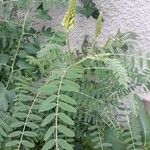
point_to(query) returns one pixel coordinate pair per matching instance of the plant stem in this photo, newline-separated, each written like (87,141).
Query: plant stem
(17,50)
(93,45)
(57,108)
(69,48)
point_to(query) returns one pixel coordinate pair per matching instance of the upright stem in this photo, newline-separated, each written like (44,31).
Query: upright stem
(93,44)
(69,48)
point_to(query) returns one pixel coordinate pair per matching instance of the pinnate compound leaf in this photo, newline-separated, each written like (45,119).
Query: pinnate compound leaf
(12,143)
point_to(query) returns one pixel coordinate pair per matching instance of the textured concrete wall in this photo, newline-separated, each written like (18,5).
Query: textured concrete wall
(128,15)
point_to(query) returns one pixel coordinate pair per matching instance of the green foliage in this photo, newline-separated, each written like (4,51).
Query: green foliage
(88,9)
(48,101)
(24,128)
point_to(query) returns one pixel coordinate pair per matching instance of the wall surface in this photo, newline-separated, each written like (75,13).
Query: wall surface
(128,15)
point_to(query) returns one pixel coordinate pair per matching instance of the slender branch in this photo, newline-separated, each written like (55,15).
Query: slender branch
(69,48)
(17,50)
(57,109)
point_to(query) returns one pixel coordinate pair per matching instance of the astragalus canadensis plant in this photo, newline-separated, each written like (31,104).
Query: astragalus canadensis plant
(83,100)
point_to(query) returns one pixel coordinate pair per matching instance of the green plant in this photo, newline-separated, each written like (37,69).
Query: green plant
(59,100)
(89,9)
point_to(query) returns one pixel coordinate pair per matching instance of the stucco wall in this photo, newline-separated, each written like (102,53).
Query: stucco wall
(128,15)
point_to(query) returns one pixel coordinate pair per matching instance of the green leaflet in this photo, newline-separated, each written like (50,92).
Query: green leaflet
(2,132)
(48,119)
(20,115)
(12,143)
(27,144)
(30,134)
(65,118)
(6,127)
(49,132)
(69,88)
(22,108)
(47,104)
(67,99)
(74,72)
(25,98)
(14,134)
(48,89)
(71,84)
(63,144)
(66,131)
(46,107)
(35,117)
(3,59)
(32,125)
(67,107)
(49,99)
(48,145)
